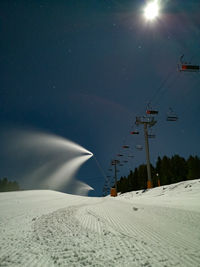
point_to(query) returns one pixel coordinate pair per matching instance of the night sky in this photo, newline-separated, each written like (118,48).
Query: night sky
(84,69)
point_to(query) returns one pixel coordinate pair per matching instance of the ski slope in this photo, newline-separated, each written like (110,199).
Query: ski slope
(158,227)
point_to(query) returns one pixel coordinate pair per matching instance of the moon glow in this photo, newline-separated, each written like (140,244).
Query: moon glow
(151,11)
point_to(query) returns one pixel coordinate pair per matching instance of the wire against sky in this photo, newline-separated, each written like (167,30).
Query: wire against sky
(99,166)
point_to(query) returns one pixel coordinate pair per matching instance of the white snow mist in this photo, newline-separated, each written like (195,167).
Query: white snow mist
(49,161)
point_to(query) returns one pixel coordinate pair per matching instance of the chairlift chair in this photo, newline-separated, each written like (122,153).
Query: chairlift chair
(188,67)
(135,132)
(151,135)
(125,146)
(150,110)
(137,121)
(139,147)
(171,116)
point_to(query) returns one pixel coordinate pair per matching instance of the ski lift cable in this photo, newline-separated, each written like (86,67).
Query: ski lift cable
(162,84)
(188,107)
(163,87)
(167,88)
(185,96)
(127,151)
(197,52)
(174,117)
(99,166)
(125,141)
(164,90)
(95,178)
(125,146)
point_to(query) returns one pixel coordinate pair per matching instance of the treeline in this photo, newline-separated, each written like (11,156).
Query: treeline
(6,185)
(167,170)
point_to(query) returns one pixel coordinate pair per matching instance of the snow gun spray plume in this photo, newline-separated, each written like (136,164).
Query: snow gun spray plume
(52,161)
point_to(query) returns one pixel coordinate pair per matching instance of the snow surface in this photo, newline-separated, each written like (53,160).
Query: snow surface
(158,227)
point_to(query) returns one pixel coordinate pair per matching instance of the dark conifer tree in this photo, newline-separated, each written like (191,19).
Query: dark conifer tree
(178,169)
(135,180)
(165,171)
(193,166)
(6,185)
(169,170)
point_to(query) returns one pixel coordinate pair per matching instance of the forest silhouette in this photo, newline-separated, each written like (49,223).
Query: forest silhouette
(167,171)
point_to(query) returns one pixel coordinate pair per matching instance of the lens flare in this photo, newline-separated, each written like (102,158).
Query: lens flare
(151,11)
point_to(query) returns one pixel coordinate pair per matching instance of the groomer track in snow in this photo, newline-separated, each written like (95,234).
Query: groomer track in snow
(159,227)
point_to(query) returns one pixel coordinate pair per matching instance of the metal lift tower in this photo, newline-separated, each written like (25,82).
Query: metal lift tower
(114,162)
(147,121)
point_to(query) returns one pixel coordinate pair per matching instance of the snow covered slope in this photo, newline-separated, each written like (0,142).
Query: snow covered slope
(159,227)
(183,195)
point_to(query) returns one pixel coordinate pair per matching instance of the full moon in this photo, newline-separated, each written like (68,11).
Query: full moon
(151,10)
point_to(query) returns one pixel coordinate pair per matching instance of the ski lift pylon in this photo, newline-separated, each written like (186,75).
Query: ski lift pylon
(115,162)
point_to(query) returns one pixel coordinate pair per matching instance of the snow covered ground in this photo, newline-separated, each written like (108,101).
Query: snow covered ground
(159,227)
